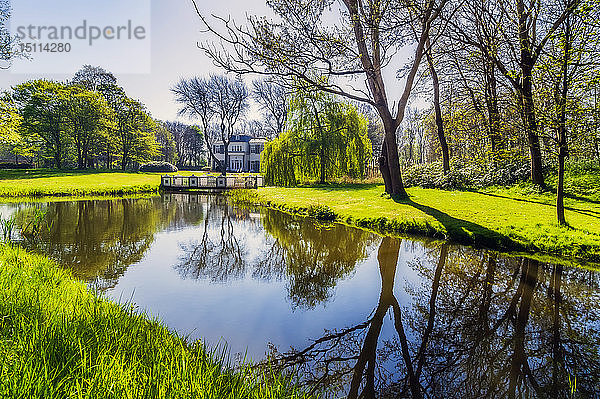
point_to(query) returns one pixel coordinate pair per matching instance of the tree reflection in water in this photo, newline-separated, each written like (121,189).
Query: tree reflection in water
(480,326)
(220,254)
(311,257)
(99,240)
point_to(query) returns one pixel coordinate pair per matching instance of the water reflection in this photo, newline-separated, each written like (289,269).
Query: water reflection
(311,257)
(99,240)
(365,316)
(476,326)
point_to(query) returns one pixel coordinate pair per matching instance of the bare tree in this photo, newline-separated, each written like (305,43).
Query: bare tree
(220,99)
(272,98)
(189,143)
(194,96)
(229,98)
(306,46)
(91,77)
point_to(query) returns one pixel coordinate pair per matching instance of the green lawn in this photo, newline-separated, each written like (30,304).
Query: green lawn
(501,218)
(42,182)
(59,340)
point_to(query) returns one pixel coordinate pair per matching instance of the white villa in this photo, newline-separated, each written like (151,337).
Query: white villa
(244,153)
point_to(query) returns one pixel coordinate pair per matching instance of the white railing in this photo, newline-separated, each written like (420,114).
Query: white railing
(211,182)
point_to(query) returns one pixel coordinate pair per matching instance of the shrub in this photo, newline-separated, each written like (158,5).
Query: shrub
(158,167)
(321,212)
(465,176)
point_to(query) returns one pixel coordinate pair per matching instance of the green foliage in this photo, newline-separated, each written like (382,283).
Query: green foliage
(325,140)
(11,140)
(43,109)
(463,176)
(316,255)
(89,117)
(60,340)
(69,124)
(134,129)
(7,225)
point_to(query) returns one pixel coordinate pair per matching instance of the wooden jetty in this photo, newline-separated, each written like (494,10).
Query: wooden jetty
(209,183)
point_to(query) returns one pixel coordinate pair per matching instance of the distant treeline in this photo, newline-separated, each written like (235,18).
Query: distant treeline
(90,122)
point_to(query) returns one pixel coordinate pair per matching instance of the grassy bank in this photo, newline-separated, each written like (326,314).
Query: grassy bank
(504,219)
(59,183)
(58,340)
(41,182)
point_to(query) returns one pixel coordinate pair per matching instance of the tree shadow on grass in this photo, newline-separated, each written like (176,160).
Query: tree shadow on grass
(464,231)
(586,212)
(580,198)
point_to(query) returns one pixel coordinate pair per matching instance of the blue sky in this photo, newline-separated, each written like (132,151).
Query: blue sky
(174,33)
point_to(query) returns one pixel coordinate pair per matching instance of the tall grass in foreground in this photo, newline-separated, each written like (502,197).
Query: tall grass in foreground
(59,340)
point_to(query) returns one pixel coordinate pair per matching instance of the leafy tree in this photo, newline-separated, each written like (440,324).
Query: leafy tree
(326,139)
(88,115)
(166,141)
(11,140)
(43,108)
(530,34)
(133,131)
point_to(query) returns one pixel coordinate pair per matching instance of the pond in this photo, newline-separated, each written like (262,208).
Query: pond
(357,315)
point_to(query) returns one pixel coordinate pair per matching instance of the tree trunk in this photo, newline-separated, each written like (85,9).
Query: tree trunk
(535,152)
(562,125)
(597,149)
(226,163)
(526,64)
(79,157)
(57,157)
(385,171)
(390,165)
(438,112)
(491,100)
(560,206)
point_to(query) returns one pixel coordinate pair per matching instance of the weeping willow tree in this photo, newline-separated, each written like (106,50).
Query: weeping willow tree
(325,140)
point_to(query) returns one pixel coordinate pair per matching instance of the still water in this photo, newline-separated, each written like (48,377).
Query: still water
(356,314)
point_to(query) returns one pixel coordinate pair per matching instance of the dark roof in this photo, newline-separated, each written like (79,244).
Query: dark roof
(241,138)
